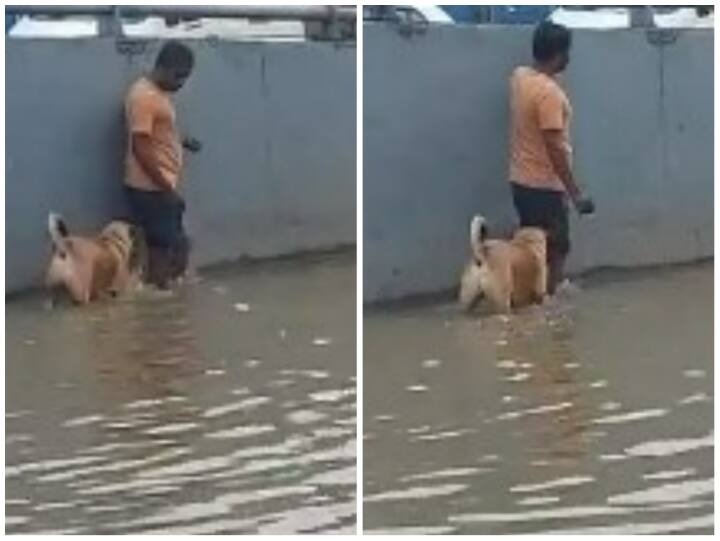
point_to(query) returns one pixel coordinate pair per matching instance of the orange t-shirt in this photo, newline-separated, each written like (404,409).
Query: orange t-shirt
(537,103)
(149,110)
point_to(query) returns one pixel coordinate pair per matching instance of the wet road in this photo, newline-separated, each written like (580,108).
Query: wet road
(594,415)
(225,407)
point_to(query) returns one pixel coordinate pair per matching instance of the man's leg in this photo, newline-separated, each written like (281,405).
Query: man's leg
(558,244)
(159,267)
(158,224)
(547,210)
(556,268)
(181,242)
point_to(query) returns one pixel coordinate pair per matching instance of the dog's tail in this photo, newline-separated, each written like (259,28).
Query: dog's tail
(478,234)
(58,230)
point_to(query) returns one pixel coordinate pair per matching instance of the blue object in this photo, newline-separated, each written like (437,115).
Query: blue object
(519,14)
(498,14)
(10,21)
(466,14)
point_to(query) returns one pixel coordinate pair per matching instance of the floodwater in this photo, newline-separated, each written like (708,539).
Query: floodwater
(592,415)
(227,406)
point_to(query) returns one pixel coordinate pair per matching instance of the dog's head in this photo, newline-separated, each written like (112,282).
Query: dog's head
(533,238)
(530,235)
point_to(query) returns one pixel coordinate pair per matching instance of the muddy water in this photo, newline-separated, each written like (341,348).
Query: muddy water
(593,415)
(226,406)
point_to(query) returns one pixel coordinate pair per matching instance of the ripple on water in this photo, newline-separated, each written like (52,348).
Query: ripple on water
(630,416)
(561,482)
(415,493)
(671,492)
(670,446)
(148,442)
(589,444)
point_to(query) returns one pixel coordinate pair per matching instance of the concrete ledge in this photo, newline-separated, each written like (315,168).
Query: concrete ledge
(435,145)
(276,175)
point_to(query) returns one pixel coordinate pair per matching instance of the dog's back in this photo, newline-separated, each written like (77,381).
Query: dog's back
(87,266)
(508,273)
(529,267)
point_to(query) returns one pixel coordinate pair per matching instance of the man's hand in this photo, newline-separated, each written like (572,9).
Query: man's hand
(584,205)
(192,145)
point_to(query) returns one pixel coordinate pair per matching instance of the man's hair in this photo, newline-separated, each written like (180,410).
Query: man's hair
(550,39)
(173,54)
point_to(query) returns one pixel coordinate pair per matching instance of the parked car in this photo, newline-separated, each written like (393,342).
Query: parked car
(498,14)
(154,27)
(410,13)
(619,17)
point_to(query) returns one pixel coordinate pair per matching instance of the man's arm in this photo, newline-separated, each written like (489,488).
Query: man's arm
(142,149)
(558,154)
(550,114)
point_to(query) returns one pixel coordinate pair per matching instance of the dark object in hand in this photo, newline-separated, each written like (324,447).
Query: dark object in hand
(585,205)
(191,144)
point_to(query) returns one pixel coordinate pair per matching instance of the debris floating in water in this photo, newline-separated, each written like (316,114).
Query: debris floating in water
(282,334)
(599,384)
(610,406)
(417,388)
(304,417)
(520,376)
(322,341)
(694,373)
(30,342)
(506,363)
(214,372)
(572,365)
(698,397)
(251,363)
(242,307)
(431,363)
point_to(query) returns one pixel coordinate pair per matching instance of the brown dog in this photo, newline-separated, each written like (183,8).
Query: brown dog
(509,273)
(89,268)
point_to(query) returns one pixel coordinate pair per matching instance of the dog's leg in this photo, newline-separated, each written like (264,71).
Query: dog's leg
(556,264)
(541,284)
(470,287)
(120,281)
(500,297)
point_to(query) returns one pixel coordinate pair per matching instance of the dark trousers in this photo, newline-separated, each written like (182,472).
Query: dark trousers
(548,210)
(160,215)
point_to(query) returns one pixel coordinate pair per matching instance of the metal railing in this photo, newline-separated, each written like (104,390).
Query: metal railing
(321,22)
(304,13)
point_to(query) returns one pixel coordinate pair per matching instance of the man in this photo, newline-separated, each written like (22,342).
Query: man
(540,152)
(154,163)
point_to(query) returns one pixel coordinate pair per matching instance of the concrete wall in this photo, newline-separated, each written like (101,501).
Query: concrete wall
(277,173)
(435,148)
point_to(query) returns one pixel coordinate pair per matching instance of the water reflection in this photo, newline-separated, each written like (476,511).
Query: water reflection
(176,413)
(539,371)
(582,416)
